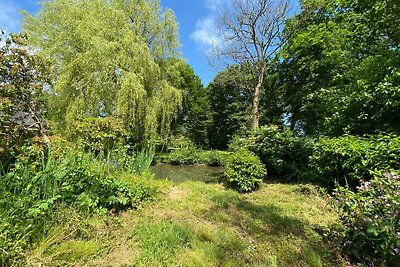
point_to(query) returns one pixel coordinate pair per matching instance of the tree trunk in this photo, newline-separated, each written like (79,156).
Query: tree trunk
(42,130)
(256,101)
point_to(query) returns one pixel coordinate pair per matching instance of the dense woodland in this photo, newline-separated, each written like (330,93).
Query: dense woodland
(306,113)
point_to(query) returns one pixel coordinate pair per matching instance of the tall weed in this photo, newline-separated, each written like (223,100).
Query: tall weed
(32,189)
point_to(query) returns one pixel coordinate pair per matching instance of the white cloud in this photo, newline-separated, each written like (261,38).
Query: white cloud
(206,30)
(214,5)
(10,17)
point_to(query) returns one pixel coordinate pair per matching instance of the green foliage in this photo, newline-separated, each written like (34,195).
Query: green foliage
(285,154)
(339,72)
(131,162)
(109,59)
(176,142)
(21,83)
(97,134)
(213,158)
(194,119)
(244,171)
(349,159)
(184,156)
(182,151)
(230,105)
(30,192)
(369,222)
(190,156)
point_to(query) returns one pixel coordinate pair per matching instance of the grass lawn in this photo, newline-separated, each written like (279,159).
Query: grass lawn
(198,224)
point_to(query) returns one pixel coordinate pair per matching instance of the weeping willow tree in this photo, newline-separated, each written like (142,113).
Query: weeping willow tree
(108,59)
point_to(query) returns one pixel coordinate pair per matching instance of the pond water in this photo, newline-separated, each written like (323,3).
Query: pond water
(182,173)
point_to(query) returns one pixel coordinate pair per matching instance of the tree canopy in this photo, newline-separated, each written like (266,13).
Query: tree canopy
(340,70)
(194,118)
(109,59)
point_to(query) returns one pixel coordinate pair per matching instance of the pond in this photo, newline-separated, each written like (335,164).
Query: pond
(182,173)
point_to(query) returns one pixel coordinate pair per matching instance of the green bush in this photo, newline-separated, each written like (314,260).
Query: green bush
(184,156)
(244,171)
(348,159)
(369,222)
(214,158)
(97,134)
(285,154)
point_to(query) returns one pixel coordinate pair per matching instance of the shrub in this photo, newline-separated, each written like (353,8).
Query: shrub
(244,171)
(97,134)
(184,156)
(76,179)
(285,154)
(214,158)
(369,222)
(348,159)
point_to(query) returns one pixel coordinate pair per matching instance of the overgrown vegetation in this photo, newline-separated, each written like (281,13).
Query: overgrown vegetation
(350,159)
(182,151)
(33,188)
(21,84)
(369,222)
(285,154)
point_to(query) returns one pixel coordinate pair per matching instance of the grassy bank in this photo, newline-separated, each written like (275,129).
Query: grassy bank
(195,224)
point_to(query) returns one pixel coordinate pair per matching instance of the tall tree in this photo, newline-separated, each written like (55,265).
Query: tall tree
(109,60)
(230,105)
(340,70)
(194,118)
(252,32)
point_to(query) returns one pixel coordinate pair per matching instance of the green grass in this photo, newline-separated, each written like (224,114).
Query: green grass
(197,224)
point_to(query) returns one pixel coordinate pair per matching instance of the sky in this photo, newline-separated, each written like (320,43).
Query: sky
(196,20)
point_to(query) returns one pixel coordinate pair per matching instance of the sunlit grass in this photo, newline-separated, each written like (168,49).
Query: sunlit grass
(197,224)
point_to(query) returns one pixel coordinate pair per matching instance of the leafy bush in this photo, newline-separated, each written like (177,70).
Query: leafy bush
(214,158)
(348,159)
(182,151)
(369,224)
(244,171)
(97,134)
(191,156)
(282,151)
(184,156)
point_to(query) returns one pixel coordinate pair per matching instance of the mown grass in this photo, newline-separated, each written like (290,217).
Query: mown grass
(197,224)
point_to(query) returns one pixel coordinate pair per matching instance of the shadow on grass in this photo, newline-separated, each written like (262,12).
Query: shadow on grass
(258,219)
(293,239)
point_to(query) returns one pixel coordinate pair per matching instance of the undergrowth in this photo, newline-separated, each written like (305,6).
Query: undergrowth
(33,188)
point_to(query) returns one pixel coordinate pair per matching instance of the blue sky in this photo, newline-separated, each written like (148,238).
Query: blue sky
(196,19)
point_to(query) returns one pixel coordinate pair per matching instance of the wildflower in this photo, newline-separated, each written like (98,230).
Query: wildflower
(391,175)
